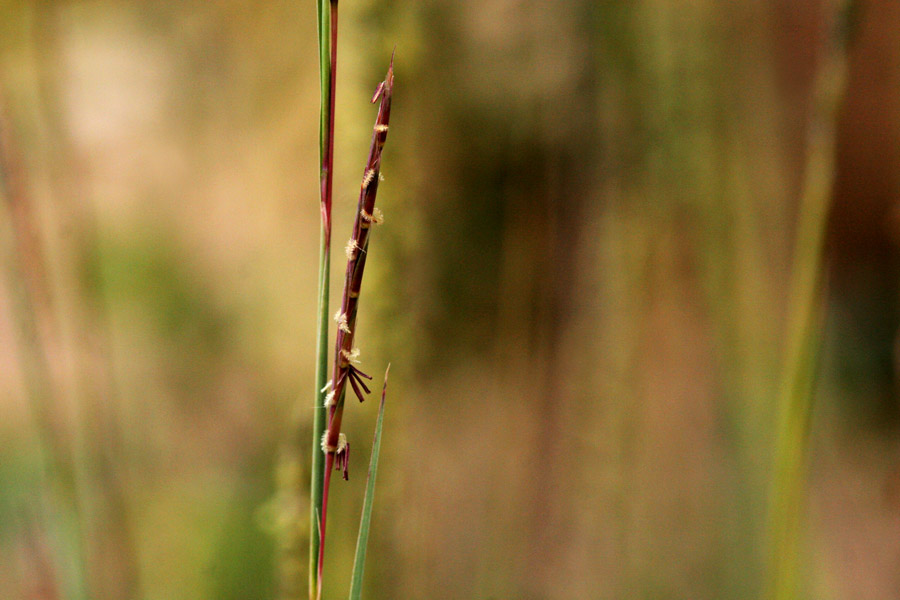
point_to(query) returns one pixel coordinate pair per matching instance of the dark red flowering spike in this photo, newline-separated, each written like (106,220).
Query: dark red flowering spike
(344,353)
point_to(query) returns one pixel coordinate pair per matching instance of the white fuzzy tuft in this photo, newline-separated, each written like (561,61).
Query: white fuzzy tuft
(351,248)
(341,320)
(352,356)
(376,217)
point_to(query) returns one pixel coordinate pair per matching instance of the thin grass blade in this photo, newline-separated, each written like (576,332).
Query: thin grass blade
(359,562)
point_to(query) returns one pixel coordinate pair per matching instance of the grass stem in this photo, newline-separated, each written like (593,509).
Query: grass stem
(327,28)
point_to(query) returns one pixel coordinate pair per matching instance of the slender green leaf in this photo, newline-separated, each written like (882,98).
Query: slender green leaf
(359,562)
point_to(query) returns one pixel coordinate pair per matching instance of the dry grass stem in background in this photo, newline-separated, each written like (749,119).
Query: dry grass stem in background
(804,333)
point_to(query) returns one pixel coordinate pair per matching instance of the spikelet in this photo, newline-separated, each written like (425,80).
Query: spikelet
(351,356)
(341,320)
(368,178)
(341,443)
(376,218)
(351,249)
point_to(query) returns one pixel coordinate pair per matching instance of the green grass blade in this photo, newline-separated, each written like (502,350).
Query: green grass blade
(359,562)
(323,14)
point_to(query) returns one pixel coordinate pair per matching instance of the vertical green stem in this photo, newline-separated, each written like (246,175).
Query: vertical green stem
(327,27)
(320,416)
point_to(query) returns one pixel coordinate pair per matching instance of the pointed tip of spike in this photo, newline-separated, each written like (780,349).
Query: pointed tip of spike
(389,79)
(385,87)
(384,385)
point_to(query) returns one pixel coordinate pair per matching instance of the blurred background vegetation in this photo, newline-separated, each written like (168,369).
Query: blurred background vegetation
(581,284)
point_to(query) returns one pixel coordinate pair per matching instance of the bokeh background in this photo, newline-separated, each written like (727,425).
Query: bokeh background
(581,285)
